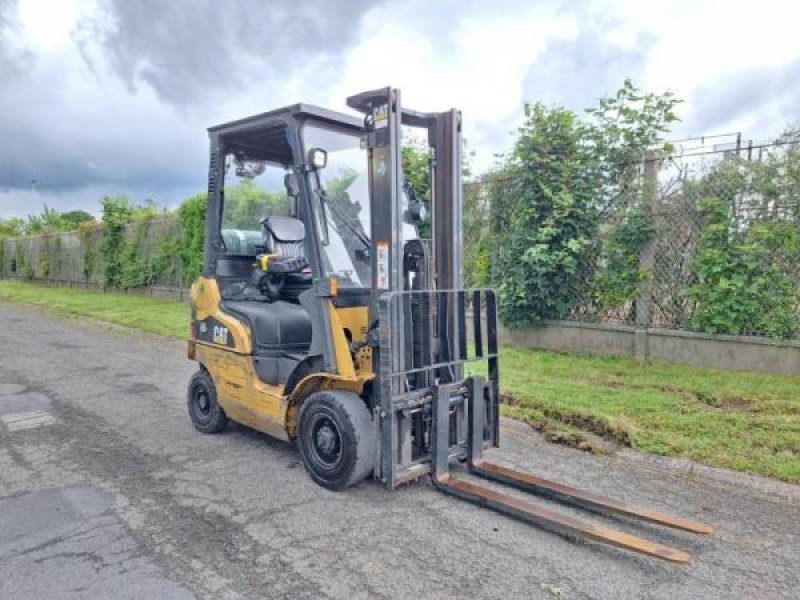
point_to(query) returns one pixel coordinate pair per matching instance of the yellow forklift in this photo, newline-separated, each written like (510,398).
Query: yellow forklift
(322,318)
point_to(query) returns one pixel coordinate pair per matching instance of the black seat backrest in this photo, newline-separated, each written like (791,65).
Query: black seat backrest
(284,236)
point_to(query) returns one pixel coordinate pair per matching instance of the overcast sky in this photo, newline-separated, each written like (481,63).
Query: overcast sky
(113,96)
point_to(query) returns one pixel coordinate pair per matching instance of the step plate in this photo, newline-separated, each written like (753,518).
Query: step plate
(554,521)
(580,498)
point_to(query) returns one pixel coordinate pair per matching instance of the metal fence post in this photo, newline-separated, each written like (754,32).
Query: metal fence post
(644,300)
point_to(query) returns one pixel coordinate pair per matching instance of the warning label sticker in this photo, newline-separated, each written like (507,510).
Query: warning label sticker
(380,115)
(383,265)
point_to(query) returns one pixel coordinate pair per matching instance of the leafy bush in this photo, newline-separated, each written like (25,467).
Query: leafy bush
(247,203)
(564,174)
(138,270)
(549,217)
(44,266)
(74,218)
(24,267)
(477,241)
(619,279)
(416,170)
(10,228)
(740,287)
(192,214)
(117,213)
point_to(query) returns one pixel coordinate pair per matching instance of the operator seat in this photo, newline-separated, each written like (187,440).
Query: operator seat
(281,329)
(284,235)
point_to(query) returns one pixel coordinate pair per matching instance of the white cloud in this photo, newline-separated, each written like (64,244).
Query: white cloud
(117,123)
(697,43)
(46,26)
(478,65)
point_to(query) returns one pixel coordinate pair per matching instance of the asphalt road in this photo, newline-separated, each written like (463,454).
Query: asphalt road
(107,491)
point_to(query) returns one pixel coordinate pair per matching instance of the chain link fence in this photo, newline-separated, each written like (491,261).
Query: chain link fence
(726,254)
(706,238)
(76,258)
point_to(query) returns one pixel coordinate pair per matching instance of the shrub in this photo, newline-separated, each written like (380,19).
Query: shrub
(117,213)
(565,174)
(620,277)
(544,221)
(740,288)
(192,214)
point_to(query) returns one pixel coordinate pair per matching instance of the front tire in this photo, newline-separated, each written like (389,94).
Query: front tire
(204,410)
(336,439)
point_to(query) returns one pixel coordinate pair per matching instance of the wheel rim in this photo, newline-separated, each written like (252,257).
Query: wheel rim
(325,442)
(202,402)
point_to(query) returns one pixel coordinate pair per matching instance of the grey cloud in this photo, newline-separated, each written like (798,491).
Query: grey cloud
(80,134)
(57,160)
(189,50)
(770,93)
(13,60)
(22,202)
(576,73)
(68,132)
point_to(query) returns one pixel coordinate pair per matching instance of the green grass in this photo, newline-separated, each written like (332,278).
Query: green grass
(740,420)
(745,421)
(147,314)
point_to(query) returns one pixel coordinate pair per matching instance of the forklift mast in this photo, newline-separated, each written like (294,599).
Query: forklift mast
(423,342)
(429,413)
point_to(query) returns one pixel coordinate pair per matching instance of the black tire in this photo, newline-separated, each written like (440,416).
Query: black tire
(204,410)
(336,439)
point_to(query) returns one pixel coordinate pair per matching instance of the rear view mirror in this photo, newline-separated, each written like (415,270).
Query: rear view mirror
(291,184)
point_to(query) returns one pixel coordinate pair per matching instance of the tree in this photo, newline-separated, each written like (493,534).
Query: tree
(50,220)
(619,131)
(117,213)
(740,287)
(564,174)
(416,170)
(72,219)
(192,214)
(247,203)
(544,222)
(13,227)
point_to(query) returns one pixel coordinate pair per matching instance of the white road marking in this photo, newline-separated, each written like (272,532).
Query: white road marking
(27,420)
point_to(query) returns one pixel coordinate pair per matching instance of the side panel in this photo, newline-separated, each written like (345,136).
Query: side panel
(242,395)
(355,319)
(230,332)
(344,360)
(224,346)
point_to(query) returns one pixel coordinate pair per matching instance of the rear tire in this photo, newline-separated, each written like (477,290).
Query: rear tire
(204,410)
(336,439)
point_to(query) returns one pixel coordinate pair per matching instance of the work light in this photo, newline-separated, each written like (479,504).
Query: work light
(318,158)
